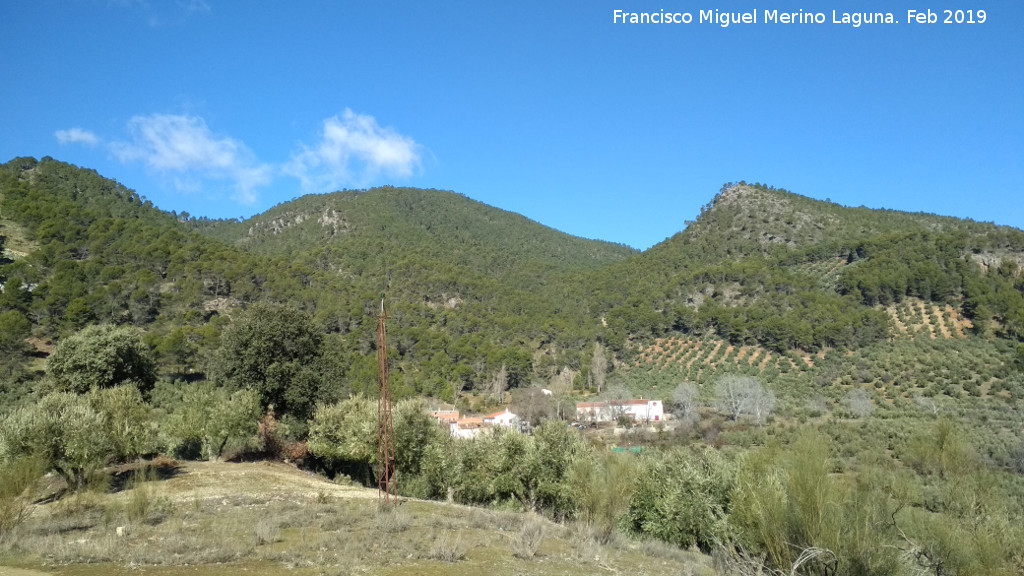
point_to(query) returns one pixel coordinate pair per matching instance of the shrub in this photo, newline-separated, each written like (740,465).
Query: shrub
(448,548)
(209,417)
(63,431)
(683,496)
(526,541)
(603,486)
(18,478)
(788,504)
(101,356)
(128,421)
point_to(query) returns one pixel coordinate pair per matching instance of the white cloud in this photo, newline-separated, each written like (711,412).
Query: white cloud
(353,150)
(185,145)
(76,136)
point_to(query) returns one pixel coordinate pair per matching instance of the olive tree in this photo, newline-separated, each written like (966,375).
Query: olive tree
(101,356)
(127,419)
(63,431)
(211,417)
(345,434)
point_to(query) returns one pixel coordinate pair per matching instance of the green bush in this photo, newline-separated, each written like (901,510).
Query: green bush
(64,432)
(101,356)
(787,503)
(683,497)
(345,435)
(210,417)
(603,484)
(128,421)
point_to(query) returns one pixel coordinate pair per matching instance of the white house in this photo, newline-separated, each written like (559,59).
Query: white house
(503,418)
(466,427)
(610,410)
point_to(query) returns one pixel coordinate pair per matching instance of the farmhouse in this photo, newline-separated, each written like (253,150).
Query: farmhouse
(445,416)
(466,427)
(610,410)
(471,427)
(503,418)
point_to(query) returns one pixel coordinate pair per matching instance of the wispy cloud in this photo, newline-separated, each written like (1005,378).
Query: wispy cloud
(76,136)
(193,6)
(353,150)
(163,12)
(184,146)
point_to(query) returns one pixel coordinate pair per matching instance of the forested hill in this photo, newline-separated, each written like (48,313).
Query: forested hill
(474,292)
(766,266)
(364,229)
(471,289)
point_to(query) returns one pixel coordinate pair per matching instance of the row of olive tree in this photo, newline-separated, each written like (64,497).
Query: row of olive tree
(77,435)
(96,408)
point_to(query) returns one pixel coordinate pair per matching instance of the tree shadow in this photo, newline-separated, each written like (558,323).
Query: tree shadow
(155,470)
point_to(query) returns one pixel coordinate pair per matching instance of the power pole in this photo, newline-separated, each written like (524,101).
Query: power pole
(387,477)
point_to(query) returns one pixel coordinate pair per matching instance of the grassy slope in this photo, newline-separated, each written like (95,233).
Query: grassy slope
(261,518)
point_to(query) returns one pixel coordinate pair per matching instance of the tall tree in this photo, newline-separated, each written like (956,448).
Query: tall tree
(274,350)
(684,402)
(498,384)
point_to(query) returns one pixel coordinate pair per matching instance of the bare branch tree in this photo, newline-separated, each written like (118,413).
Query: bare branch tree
(928,403)
(498,384)
(860,403)
(738,395)
(761,403)
(531,404)
(560,385)
(684,402)
(599,367)
(615,402)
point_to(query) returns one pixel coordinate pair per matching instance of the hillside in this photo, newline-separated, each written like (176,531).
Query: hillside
(473,288)
(477,290)
(365,230)
(766,266)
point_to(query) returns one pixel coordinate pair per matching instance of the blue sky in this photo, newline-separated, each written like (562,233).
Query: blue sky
(611,131)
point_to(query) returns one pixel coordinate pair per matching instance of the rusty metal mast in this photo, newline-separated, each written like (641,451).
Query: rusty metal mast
(387,478)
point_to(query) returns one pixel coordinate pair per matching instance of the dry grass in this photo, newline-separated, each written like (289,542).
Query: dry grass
(219,518)
(527,541)
(448,548)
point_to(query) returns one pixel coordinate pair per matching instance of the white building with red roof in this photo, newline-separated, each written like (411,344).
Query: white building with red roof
(503,418)
(610,410)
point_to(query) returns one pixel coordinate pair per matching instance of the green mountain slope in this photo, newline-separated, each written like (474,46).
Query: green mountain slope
(472,289)
(387,223)
(770,267)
